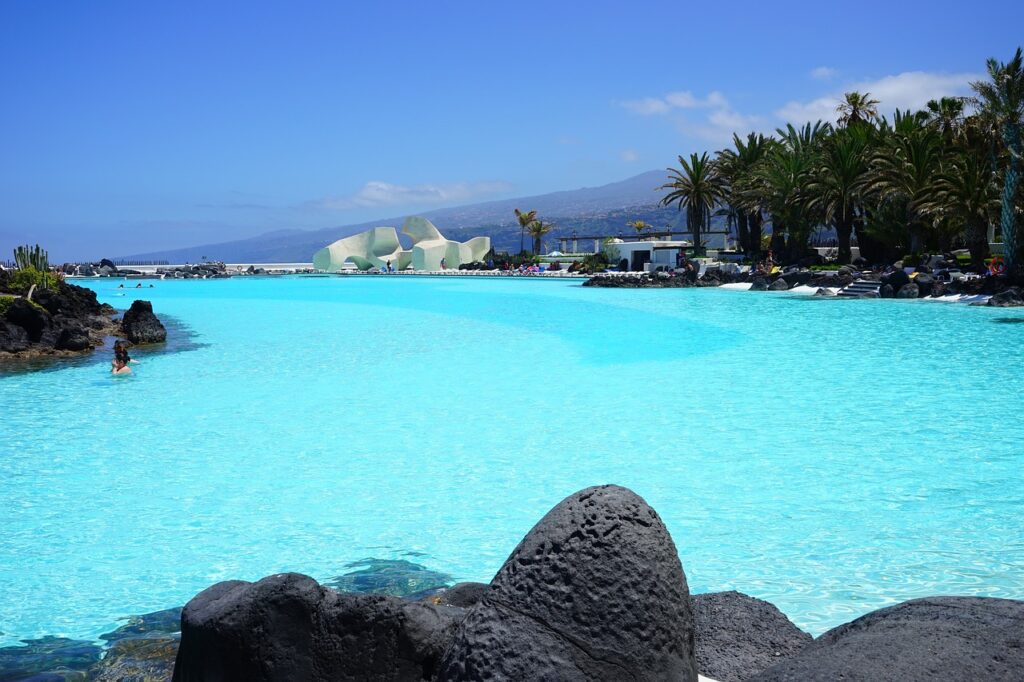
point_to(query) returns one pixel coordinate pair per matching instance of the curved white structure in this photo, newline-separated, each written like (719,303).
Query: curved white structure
(373,248)
(370,249)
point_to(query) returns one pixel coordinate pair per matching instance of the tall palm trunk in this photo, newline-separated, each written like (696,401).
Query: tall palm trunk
(1011,134)
(778,243)
(694,222)
(977,242)
(844,227)
(754,234)
(536,246)
(742,233)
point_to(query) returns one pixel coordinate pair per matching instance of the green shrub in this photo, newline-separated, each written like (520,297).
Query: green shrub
(5,303)
(22,280)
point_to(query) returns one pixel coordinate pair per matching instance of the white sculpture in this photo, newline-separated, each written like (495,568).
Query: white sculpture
(374,248)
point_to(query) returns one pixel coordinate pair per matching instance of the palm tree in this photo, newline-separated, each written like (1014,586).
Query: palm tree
(780,182)
(903,168)
(857,108)
(640,226)
(537,230)
(736,168)
(698,187)
(524,222)
(835,184)
(1002,98)
(966,193)
(947,116)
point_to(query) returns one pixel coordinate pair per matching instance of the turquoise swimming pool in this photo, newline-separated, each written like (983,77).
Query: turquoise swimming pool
(830,456)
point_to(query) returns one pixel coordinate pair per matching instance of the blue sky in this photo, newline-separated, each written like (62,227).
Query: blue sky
(127,126)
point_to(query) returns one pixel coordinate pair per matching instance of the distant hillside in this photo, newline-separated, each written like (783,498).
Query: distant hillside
(590,210)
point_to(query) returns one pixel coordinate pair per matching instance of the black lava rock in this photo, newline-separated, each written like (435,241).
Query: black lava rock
(140,325)
(822,291)
(937,638)
(908,291)
(1011,298)
(778,285)
(924,283)
(896,279)
(759,284)
(13,339)
(73,336)
(797,278)
(595,591)
(288,627)
(32,318)
(69,300)
(739,636)
(886,291)
(463,595)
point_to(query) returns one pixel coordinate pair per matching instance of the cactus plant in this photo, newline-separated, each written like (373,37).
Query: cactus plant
(32,257)
(33,265)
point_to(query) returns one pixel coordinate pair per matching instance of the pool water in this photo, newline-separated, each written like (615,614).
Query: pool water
(830,456)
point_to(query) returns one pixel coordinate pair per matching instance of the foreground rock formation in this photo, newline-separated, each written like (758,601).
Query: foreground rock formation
(288,627)
(739,636)
(938,638)
(595,591)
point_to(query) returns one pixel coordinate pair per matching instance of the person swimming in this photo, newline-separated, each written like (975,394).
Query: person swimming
(120,366)
(121,351)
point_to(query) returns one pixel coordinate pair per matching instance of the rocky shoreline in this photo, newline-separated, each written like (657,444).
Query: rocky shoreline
(66,321)
(595,591)
(1001,291)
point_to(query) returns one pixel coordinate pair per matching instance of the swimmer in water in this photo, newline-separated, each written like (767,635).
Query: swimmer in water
(120,286)
(120,366)
(121,351)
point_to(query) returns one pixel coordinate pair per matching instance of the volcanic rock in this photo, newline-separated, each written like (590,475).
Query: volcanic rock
(594,592)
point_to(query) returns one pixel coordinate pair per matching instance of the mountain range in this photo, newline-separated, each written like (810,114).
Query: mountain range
(603,210)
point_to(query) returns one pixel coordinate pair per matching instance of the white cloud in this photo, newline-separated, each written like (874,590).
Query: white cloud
(629,155)
(823,73)
(711,118)
(682,99)
(908,90)
(378,193)
(647,106)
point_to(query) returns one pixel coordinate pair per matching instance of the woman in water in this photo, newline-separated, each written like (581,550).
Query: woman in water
(121,351)
(120,365)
